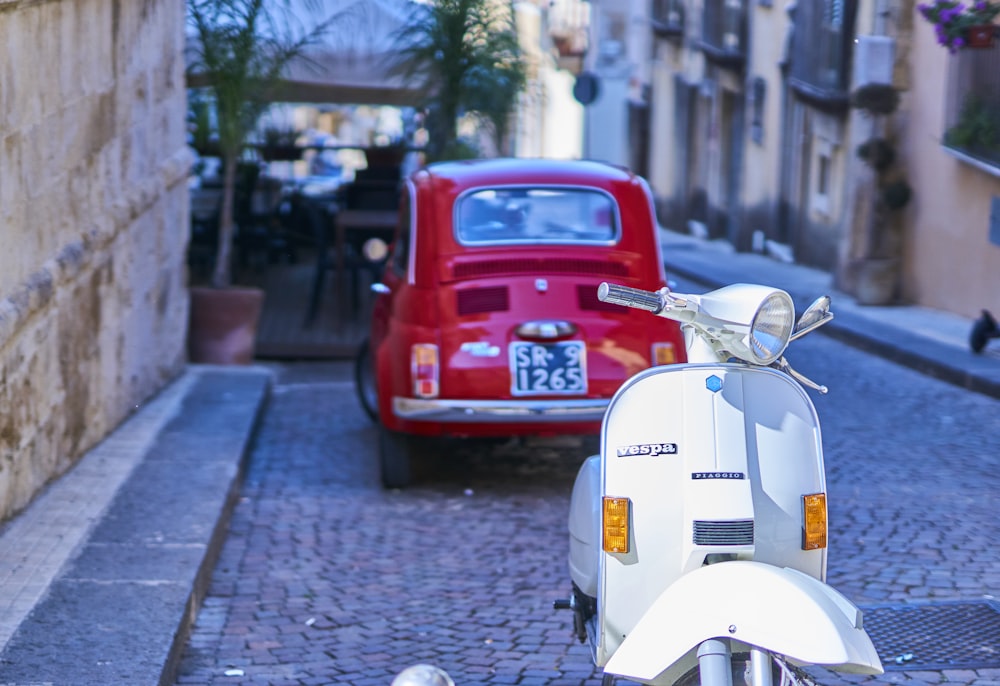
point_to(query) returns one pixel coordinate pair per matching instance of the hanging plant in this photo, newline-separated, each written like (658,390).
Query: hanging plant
(878,153)
(977,129)
(896,194)
(875,98)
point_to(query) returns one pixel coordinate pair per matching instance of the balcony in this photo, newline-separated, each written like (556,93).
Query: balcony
(973,108)
(568,25)
(668,18)
(821,53)
(724,32)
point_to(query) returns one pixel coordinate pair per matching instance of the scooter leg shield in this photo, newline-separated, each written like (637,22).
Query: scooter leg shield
(778,609)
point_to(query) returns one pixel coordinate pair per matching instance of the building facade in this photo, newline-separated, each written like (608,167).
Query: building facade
(952,248)
(94,220)
(815,130)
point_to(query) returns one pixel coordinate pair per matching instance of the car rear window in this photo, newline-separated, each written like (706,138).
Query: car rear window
(536,215)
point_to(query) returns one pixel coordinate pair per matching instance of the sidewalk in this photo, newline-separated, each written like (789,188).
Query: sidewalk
(101,577)
(930,341)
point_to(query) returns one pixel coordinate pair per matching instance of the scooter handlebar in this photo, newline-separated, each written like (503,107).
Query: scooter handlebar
(630,297)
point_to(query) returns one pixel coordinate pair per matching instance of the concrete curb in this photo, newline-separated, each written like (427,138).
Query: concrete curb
(120,609)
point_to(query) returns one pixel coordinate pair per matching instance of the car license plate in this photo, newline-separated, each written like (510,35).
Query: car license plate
(548,368)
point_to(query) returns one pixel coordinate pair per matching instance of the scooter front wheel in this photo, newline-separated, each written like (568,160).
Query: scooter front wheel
(781,674)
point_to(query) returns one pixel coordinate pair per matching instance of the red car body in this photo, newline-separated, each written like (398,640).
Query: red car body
(493,276)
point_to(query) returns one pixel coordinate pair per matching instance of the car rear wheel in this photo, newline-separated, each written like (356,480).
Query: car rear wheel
(395,457)
(364,381)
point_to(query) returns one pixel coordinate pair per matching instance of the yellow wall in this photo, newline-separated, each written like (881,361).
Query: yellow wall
(950,262)
(761,163)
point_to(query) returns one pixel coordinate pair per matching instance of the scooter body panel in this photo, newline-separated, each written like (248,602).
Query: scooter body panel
(754,604)
(715,459)
(585,526)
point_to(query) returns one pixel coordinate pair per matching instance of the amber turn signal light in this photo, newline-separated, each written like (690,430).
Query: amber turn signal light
(814,521)
(664,353)
(615,524)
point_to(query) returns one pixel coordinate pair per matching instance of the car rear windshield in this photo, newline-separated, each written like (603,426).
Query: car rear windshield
(536,215)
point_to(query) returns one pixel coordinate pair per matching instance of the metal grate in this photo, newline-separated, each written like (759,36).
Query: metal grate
(738,532)
(480,300)
(935,635)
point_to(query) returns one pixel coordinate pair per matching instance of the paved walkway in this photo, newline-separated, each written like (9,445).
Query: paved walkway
(101,577)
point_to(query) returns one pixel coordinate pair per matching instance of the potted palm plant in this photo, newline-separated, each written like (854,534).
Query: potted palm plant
(238,51)
(467,53)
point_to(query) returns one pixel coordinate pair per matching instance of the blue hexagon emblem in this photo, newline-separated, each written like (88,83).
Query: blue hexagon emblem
(713,383)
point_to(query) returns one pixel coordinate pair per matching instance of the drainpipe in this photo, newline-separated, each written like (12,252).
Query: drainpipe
(881,14)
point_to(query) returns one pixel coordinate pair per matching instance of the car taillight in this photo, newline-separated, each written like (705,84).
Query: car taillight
(424,369)
(663,353)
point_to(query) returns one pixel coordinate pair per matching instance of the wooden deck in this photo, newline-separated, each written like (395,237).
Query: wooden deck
(284,332)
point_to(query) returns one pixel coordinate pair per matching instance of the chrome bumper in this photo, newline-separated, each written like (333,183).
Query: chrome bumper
(499,411)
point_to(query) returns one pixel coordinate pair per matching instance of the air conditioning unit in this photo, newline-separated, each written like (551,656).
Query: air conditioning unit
(874,57)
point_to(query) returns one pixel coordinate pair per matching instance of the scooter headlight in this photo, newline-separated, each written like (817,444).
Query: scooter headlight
(771,327)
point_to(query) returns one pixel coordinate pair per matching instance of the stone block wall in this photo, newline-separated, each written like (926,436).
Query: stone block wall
(93,222)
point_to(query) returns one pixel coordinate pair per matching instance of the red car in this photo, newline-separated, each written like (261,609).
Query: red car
(488,322)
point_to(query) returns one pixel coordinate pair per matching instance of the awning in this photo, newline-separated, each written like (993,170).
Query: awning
(351,64)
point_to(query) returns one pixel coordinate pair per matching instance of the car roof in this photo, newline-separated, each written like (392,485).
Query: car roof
(515,171)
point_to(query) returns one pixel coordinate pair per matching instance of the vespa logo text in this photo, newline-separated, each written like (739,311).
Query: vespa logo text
(717,475)
(651,449)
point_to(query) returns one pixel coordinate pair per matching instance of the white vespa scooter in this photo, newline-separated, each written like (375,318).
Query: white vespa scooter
(698,536)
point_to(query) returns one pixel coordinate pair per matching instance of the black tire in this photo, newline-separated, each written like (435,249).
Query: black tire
(395,455)
(364,381)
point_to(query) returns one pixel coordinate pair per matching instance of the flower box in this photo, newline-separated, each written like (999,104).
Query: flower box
(957,25)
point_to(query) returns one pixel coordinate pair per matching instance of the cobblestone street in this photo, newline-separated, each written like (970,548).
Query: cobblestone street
(326,578)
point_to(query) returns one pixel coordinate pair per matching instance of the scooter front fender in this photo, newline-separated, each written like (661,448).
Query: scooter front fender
(777,609)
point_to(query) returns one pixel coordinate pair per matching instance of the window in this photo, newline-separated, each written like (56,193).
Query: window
(757,92)
(821,197)
(399,258)
(821,51)
(972,115)
(535,215)
(668,17)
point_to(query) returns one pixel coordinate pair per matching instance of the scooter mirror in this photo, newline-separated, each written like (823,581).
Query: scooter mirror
(815,316)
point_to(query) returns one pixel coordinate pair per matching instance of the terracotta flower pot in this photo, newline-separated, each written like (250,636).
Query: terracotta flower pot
(223,324)
(981,36)
(876,281)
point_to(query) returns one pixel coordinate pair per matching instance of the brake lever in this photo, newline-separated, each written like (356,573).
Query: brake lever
(783,365)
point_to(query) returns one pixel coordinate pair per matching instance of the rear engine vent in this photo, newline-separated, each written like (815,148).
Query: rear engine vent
(739,532)
(586,298)
(479,300)
(540,267)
